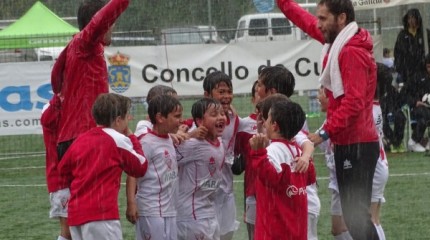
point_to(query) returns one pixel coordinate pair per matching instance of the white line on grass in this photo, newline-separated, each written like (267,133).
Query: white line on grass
(20,157)
(235,181)
(21,168)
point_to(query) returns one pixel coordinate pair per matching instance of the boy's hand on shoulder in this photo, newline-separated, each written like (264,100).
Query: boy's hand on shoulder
(177,138)
(199,133)
(302,163)
(258,141)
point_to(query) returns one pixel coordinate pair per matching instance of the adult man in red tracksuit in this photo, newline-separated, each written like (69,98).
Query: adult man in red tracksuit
(350,90)
(80,73)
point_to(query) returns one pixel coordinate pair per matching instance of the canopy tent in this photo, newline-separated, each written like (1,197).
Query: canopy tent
(38,27)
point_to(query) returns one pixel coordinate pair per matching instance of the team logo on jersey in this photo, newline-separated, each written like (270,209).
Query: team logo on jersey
(347,164)
(293,190)
(167,159)
(254,127)
(64,201)
(119,72)
(212,166)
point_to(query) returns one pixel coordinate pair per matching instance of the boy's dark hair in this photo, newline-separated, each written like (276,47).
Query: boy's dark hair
(265,105)
(279,78)
(159,90)
(163,104)
(337,7)
(289,116)
(87,9)
(384,80)
(200,107)
(212,80)
(109,106)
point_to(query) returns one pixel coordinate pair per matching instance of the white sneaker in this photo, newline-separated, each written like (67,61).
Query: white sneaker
(415,147)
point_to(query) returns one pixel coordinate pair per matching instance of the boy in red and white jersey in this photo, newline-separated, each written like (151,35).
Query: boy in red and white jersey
(217,85)
(59,192)
(306,146)
(380,177)
(93,166)
(280,188)
(200,162)
(155,210)
(143,126)
(247,129)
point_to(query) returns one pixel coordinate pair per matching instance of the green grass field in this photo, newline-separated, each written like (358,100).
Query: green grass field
(24,202)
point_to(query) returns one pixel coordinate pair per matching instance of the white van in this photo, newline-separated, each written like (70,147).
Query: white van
(267,27)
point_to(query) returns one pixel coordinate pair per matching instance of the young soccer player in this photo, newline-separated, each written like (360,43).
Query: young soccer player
(380,177)
(248,128)
(156,211)
(217,85)
(59,193)
(278,79)
(80,74)
(93,165)
(301,139)
(281,189)
(200,162)
(157,90)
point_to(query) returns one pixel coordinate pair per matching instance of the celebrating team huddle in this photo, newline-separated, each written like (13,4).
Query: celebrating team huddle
(180,172)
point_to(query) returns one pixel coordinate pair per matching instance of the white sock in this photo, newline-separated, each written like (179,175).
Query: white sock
(343,236)
(62,238)
(380,232)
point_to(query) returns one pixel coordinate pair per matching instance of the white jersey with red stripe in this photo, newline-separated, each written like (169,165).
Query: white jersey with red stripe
(199,163)
(314,203)
(380,177)
(143,127)
(157,189)
(228,139)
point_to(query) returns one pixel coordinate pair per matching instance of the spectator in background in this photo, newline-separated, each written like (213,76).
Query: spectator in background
(387,60)
(391,102)
(414,91)
(409,50)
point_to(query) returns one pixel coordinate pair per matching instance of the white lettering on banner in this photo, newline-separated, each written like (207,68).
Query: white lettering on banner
(25,87)
(372,4)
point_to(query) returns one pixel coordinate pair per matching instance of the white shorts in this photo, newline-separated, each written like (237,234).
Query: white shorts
(226,212)
(106,230)
(336,208)
(156,228)
(312,226)
(250,210)
(379,181)
(202,229)
(59,201)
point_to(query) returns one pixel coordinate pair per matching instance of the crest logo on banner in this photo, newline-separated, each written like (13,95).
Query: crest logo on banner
(119,72)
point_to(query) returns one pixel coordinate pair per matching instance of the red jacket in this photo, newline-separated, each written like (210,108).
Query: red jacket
(349,117)
(92,167)
(80,73)
(282,210)
(49,120)
(247,129)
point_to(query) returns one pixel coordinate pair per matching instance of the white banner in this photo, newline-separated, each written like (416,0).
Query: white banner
(25,87)
(372,4)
